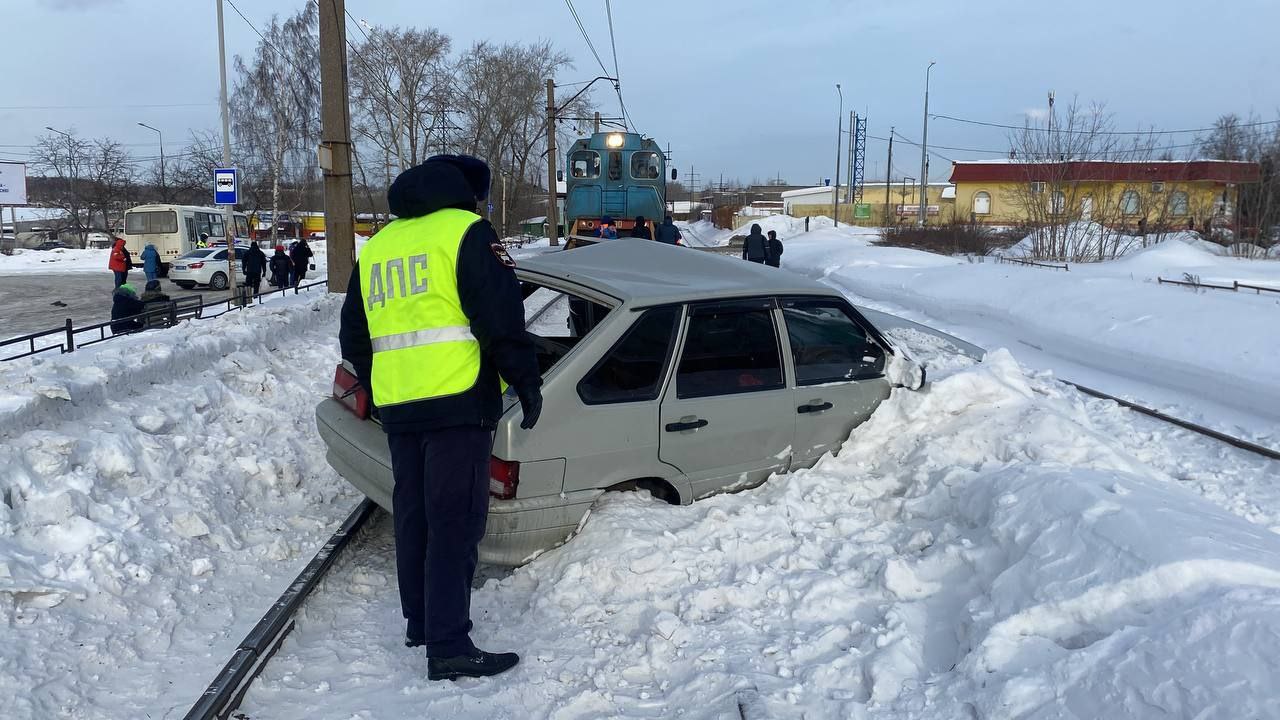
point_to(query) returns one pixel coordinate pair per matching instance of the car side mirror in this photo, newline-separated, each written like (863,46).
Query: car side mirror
(674,173)
(904,372)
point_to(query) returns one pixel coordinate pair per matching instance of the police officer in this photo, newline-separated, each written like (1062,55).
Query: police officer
(433,316)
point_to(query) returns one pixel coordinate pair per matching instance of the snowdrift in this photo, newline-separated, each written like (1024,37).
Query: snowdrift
(982,549)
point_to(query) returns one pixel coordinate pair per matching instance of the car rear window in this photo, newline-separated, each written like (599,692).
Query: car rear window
(633,369)
(197,254)
(728,349)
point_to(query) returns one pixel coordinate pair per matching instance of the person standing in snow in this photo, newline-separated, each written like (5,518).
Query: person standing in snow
(775,250)
(281,266)
(150,262)
(606,230)
(300,256)
(756,247)
(434,357)
(668,232)
(254,265)
(118,263)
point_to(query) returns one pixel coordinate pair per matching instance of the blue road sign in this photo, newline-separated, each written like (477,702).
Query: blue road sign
(226,186)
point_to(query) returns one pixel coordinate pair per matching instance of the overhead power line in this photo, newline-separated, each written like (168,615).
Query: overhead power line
(984,123)
(586,36)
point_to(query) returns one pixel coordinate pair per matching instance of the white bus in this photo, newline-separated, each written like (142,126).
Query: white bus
(175,230)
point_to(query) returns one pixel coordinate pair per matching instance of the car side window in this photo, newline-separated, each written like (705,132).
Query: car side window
(828,345)
(730,348)
(632,371)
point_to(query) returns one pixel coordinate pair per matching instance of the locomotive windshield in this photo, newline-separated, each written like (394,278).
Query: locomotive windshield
(584,164)
(644,166)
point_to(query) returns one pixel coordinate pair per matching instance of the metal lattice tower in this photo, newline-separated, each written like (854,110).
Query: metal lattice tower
(859,158)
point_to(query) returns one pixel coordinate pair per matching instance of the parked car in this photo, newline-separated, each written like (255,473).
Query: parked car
(52,245)
(682,373)
(206,266)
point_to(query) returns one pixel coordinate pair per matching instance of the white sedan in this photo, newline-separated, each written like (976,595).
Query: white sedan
(206,266)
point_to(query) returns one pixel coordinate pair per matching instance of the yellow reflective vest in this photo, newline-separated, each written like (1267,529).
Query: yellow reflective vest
(422,342)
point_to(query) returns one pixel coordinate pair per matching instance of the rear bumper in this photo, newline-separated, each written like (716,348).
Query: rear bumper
(517,529)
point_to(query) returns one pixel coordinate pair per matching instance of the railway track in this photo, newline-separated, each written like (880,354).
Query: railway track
(223,696)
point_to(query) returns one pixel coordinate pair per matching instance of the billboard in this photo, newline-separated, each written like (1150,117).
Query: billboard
(13,183)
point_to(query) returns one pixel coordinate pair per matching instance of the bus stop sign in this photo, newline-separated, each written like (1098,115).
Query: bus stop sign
(226,187)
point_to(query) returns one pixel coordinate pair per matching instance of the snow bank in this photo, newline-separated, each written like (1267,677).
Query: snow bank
(55,261)
(158,492)
(981,549)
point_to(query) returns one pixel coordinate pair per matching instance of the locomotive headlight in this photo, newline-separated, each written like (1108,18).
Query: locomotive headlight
(614,140)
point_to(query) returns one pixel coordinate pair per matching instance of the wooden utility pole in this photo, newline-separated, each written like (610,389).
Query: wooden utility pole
(553,232)
(595,126)
(335,145)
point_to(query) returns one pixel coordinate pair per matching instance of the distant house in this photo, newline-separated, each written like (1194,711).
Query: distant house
(902,203)
(34,225)
(1194,193)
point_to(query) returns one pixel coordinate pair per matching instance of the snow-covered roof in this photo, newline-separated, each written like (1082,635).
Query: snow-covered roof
(820,190)
(34,214)
(534,220)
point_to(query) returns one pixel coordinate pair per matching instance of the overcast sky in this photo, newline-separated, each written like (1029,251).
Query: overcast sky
(746,88)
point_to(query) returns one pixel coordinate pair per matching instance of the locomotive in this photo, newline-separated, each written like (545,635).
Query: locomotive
(614,174)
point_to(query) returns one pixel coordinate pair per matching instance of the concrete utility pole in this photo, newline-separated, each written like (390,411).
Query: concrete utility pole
(595,127)
(888,177)
(553,232)
(335,145)
(164,191)
(835,181)
(924,150)
(227,220)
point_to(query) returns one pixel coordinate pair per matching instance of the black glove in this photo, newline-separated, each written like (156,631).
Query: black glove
(531,404)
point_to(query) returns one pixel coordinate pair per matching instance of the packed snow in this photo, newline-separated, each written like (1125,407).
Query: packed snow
(996,545)
(55,261)
(159,491)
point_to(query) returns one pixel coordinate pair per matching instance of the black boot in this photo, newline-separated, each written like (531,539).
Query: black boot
(415,634)
(477,664)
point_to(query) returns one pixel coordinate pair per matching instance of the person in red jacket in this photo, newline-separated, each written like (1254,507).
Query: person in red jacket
(119,263)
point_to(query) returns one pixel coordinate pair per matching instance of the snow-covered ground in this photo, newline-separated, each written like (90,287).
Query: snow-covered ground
(997,545)
(159,491)
(55,261)
(994,547)
(1206,355)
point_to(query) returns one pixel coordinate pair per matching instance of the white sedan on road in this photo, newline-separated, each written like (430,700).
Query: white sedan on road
(206,266)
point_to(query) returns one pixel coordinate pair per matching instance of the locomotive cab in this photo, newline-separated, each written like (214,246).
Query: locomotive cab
(619,175)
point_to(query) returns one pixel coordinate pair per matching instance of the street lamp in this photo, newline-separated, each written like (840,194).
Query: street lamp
(835,180)
(163,188)
(924,148)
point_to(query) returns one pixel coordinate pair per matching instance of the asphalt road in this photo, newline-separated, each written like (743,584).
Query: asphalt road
(30,303)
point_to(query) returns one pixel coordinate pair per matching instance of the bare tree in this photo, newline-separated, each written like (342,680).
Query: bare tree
(1257,141)
(91,180)
(1076,217)
(275,105)
(402,87)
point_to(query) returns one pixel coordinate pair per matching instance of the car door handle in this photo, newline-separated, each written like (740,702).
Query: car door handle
(690,425)
(814,407)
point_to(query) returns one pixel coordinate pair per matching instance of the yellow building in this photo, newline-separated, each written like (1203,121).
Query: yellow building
(1166,194)
(900,204)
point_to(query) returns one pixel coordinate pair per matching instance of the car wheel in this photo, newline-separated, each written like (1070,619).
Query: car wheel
(218,281)
(184,284)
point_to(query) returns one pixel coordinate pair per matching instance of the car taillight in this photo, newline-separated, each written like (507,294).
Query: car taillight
(195,266)
(504,478)
(348,391)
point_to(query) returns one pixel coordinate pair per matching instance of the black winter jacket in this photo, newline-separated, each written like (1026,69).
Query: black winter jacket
(755,248)
(667,233)
(254,262)
(492,300)
(124,305)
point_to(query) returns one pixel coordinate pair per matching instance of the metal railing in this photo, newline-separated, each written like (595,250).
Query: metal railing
(1033,263)
(67,338)
(1235,285)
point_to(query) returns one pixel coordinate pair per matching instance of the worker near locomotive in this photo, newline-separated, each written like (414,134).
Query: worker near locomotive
(433,324)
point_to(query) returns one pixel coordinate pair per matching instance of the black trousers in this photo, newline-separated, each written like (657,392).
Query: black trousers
(253,280)
(440,504)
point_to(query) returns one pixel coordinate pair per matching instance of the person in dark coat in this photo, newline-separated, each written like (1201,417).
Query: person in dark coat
(775,249)
(281,266)
(300,256)
(254,266)
(641,229)
(150,262)
(756,247)
(125,304)
(606,230)
(440,445)
(668,233)
(154,304)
